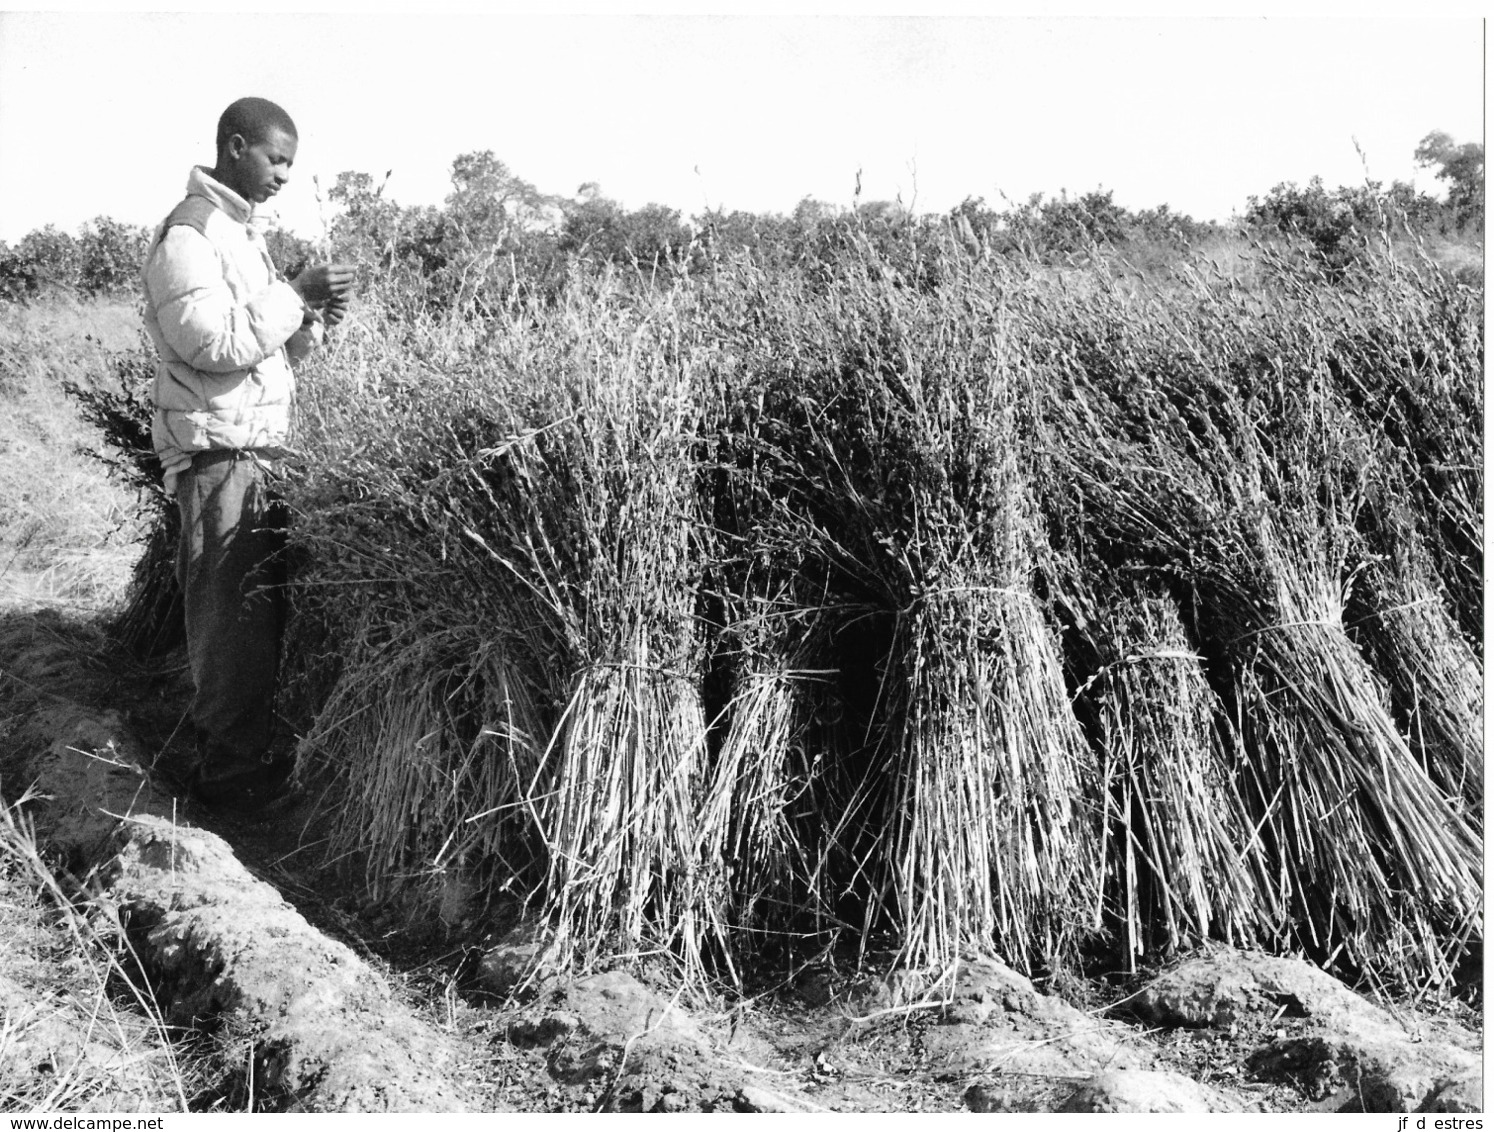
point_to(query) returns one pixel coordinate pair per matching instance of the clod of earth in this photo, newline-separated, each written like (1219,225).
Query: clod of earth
(1462,1093)
(996,1021)
(515,961)
(1143,1090)
(1363,1075)
(1223,986)
(642,1053)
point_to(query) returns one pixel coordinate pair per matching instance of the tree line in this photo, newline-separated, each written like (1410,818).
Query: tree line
(497,229)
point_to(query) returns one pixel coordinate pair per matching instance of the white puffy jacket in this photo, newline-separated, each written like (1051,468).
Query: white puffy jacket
(226,328)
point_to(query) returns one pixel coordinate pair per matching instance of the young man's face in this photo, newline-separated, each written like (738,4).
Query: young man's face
(261,168)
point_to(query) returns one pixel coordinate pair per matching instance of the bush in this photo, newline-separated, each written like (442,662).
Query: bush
(54,256)
(110,255)
(1065,229)
(290,253)
(1337,223)
(103,260)
(18,275)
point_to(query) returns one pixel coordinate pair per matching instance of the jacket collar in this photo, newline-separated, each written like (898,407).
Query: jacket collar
(202,183)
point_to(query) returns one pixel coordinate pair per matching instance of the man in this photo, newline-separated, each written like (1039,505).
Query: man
(226,327)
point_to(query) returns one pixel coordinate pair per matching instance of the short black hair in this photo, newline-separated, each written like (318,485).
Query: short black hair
(252,118)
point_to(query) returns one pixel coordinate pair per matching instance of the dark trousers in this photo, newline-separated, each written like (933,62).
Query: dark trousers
(231,568)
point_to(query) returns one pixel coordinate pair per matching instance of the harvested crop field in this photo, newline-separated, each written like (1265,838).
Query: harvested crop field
(918,679)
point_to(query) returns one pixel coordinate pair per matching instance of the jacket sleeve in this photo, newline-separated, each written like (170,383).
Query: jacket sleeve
(198,315)
(303,341)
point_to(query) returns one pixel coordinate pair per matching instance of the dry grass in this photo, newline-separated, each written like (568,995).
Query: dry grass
(66,540)
(79,1030)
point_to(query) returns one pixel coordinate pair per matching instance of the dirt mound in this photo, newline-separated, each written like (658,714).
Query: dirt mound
(1330,1042)
(327,1033)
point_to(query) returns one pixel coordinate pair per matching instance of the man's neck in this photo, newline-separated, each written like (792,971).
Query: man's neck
(224,177)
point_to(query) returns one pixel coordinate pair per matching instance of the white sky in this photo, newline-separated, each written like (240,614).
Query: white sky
(104,112)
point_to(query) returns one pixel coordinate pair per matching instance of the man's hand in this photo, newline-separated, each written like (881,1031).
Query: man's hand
(324,282)
(335,310)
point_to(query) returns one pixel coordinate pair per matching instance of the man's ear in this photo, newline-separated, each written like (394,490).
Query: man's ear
(236,146)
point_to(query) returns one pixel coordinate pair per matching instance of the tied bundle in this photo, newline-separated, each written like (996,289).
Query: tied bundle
(595,521)
(511,587)
(883,471)
(1182,864)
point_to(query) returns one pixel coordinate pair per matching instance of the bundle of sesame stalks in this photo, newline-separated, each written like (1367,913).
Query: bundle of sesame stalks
(616,796)
(432,734)
(1400,617)
(150,623)
(1227,469)
(1183,865)
(1410,360)
(989,839)
(559,718)
(1383,862)
(887,427)
(764,805)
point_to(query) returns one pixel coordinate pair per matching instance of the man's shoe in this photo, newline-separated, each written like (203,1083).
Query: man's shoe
(258,792)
